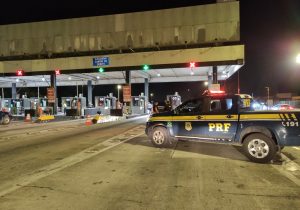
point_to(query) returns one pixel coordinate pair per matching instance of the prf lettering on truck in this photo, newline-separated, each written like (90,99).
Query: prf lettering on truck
(219,127)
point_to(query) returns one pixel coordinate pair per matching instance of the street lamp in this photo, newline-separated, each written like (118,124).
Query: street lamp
(268,94)
(151,96)
(119,87)
(298,58)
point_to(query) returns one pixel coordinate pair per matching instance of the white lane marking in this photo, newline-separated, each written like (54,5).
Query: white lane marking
(297,148)
(69,161)
(288,167)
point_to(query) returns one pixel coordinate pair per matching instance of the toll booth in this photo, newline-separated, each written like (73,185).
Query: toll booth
(138,105)
(34,103)
(19,105)
(105,103)
(5,103)
(70,105)
(175,100)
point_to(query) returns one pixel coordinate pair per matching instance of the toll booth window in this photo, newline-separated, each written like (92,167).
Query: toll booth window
(107,103)
(101,102)
(190,107)
(135,102)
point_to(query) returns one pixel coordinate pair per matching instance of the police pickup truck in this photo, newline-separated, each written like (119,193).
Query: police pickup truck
(5,117)
(227,119)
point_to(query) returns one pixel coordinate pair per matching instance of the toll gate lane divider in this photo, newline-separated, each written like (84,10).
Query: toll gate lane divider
(71,160)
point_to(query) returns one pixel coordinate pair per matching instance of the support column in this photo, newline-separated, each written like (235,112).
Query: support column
(128,78)
(128,82)
(146,90)
(215,75)
(90,93)
(53,85)
(14,90)
(2,92)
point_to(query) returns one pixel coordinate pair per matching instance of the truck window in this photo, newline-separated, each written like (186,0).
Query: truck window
(190,107)
(224,104)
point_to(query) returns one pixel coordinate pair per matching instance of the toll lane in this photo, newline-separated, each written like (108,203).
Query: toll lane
(118,168)
(28,151)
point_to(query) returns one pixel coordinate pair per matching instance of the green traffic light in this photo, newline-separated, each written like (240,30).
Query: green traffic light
(101,70)
(146,67)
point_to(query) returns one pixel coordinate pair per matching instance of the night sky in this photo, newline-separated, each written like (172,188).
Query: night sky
(270,30)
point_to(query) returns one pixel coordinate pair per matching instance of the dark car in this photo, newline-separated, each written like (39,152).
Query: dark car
(5,117)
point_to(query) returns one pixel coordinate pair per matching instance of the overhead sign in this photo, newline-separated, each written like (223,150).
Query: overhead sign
(101,61)
(126,93)
(51,95)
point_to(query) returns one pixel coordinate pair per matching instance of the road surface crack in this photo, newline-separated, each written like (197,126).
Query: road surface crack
(271,196)
(35,186)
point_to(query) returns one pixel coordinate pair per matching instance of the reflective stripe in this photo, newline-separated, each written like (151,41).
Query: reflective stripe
(187,118)
(221,117)
(164,118)
(294,117)
(243,117)
(259,117)
(282,117)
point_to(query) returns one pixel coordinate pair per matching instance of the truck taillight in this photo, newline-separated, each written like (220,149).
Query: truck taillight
(217,92)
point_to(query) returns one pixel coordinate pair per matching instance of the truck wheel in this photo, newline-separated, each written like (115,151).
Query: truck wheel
(259,148)
(5,120)
(159,137)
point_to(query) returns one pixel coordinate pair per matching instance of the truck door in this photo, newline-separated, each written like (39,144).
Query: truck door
(221,120)
(188,121)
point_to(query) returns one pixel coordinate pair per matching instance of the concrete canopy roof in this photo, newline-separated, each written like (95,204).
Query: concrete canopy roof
(118,77)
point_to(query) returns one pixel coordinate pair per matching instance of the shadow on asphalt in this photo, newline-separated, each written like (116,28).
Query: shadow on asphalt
(202,148)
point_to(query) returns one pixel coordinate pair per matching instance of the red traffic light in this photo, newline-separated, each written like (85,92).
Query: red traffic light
(57,71)
(192,64)
(20,72)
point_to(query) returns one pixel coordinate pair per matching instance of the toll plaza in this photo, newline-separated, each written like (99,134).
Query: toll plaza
(192,48)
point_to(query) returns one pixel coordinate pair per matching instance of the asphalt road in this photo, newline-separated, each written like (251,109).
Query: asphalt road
(68,165)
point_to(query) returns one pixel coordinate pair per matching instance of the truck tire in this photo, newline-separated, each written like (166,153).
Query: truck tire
(5,120)
(259,148)
(160,137)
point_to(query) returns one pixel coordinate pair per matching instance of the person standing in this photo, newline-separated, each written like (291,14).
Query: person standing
(155,108)
(78,107)
(149,107)
(168,106)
